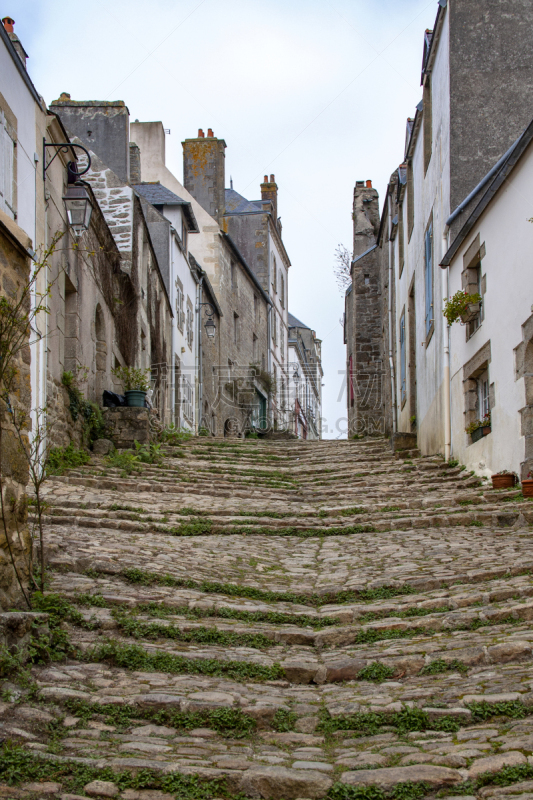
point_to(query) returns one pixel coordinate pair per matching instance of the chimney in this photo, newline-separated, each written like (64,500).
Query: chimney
(8,24)
(102,126)
(135,164)
(204,174)
(365,216)
(269,191)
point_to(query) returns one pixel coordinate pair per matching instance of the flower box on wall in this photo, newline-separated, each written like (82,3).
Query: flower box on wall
(477,434)
(471,312)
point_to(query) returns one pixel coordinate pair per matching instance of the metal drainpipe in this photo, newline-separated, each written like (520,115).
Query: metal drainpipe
(391,356)
(172,338)
(446,342)
(269,320)
(198,354)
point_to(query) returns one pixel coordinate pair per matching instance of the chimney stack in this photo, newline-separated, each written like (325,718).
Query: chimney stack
(204,174)
(8,23)
(269,191)
(365,216)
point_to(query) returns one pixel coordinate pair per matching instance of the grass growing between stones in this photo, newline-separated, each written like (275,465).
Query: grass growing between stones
(138,629)
(135,657)
(375,672)
(402,791)
(138,576)
(162,611)
(370,723)
(225,721)
(18,765)
(440,665)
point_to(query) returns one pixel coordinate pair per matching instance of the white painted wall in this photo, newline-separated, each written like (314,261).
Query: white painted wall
(279,349)
(508,266)
(25,108)
(432,194)
(185,351)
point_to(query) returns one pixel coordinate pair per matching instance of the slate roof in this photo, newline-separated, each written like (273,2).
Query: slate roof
(491,184)
(295,323)
(237,204)
(159,195)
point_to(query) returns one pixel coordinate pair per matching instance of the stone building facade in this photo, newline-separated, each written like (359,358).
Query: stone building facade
(131,320)
(233,393)
(304,391)
(363,321)
(256,229)
(15,539)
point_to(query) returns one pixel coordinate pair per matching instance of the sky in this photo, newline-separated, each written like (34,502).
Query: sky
(315,91)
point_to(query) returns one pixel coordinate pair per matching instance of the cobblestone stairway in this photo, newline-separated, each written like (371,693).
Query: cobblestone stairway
(282,620)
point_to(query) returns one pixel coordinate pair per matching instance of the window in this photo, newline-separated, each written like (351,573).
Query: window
(403,384)
(274,274)
(236,329)
(410,200)
(187,400)
(180,297)
(282,339)
(190,323)
(274,328)
(233,276)
(256,309)
(428,277)
(483,403)
(401,255)
(7,167)
(254,348)
(282,290)
(475,278)
(427,122)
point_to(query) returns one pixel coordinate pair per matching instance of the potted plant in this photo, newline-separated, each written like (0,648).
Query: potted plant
(527,485)
(136,383)
(504,479)
(479,428)
(462,306)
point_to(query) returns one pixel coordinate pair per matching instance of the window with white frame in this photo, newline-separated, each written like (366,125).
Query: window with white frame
(483,402)
(274,274)
(180,299)
(428,275)
(187,399)
(282,339)
(190,323)
(282,289)
(7,167)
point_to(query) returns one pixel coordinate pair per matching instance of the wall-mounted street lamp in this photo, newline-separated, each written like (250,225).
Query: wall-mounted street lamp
(76,199)
(210,327)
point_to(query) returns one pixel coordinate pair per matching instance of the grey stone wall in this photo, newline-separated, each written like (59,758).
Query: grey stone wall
(491,86)
(15,539)
(364,321)
(125,426)
(250,234)
(101,126)
(227,393)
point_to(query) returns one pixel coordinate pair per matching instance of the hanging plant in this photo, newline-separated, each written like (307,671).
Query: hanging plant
(458,306)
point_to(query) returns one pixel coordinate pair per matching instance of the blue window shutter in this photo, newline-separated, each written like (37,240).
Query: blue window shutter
(429,278)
